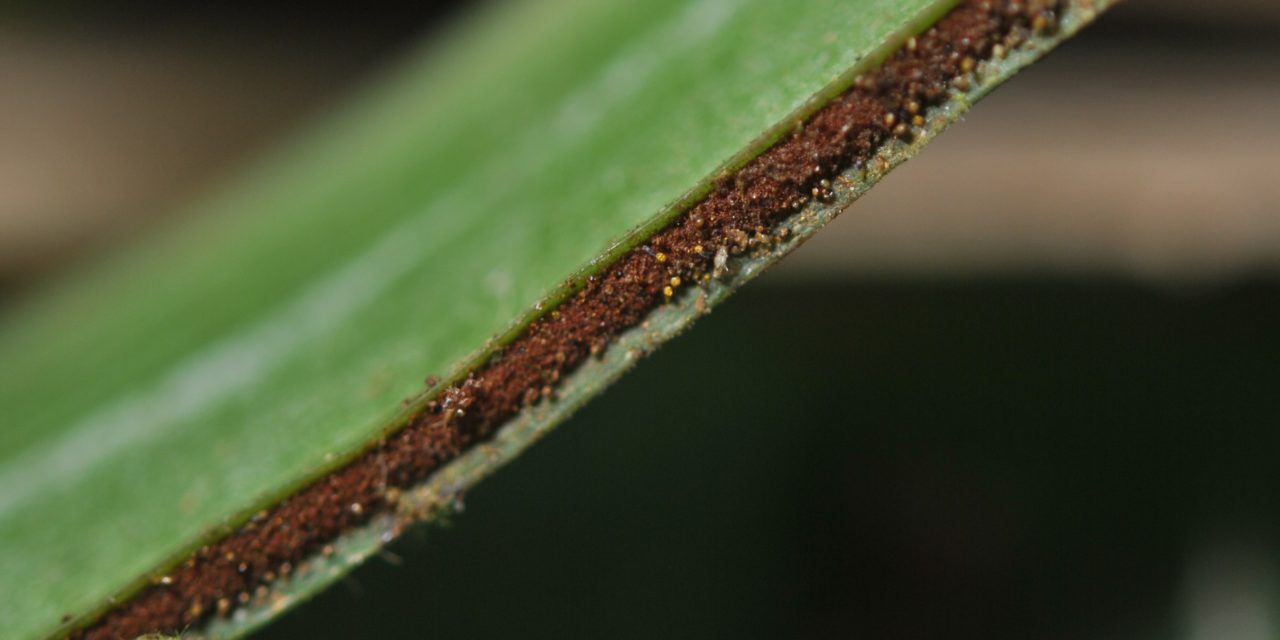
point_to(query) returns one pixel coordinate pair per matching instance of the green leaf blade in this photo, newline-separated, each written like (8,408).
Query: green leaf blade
(225,362)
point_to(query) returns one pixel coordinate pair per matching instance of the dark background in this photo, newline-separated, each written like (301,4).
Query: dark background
(1027,388)
(1028,459)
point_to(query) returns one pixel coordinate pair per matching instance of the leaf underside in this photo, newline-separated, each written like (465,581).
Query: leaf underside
(155,401)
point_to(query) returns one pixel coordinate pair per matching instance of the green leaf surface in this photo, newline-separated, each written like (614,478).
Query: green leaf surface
(156,398)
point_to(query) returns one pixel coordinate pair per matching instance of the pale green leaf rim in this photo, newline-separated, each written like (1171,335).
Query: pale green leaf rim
(441,494)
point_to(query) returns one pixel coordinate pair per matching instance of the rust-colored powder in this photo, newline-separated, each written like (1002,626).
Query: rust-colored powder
(741,213)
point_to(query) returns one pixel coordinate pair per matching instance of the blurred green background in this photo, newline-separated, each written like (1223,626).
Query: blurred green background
(1029,387)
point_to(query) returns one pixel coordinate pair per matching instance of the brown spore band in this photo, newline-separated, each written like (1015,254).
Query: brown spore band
(742,213)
